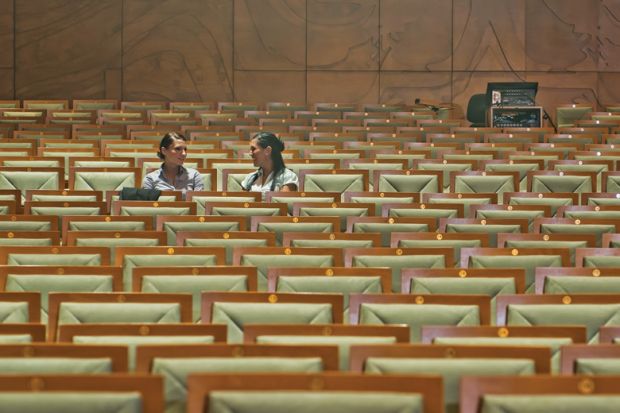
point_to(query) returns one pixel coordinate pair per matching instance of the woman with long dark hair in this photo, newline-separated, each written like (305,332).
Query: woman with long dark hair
(272,174)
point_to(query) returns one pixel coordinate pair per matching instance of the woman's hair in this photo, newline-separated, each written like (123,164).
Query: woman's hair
(265,139)
(167,140)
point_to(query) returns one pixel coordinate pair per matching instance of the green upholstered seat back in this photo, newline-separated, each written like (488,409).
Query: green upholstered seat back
(398,262)
(45,284)
(176,370)
(451,370)
(313,401)
(193,285)
(416,316)
(550,403)
(71,402)
(592,316)
(236,315)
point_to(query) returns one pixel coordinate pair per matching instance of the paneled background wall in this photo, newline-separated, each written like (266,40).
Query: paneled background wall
(308,50)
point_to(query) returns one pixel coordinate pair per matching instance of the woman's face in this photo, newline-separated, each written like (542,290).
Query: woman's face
(175,153)
(259,155)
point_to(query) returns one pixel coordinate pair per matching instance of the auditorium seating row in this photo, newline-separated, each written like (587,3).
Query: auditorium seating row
(411,252)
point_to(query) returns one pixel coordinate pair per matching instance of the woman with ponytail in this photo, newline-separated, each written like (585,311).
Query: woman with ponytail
(272,174)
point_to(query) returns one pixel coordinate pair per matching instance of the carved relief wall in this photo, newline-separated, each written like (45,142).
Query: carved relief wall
(309,50)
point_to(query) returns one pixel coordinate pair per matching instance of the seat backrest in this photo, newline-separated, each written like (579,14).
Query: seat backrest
(132,393)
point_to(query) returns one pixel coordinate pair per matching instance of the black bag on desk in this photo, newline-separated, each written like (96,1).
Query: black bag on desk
(139,194)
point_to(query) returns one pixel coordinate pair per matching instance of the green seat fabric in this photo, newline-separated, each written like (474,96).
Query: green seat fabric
(107,226)
(515,214)
(592,316)
(45,284)
(175,371)
(471,285)
(171,228)
(570,245)
(598,261)
(408,183)
(54,259)
(521,168)
(132,342)
(344,343)
(397,263)
(491,229)
(334,183)
(380,200)
(15,338)
(566,183)
(264,262)
(27,242)
(416,316)
(592,214)
(24,180)
(152,260)
(264,211)
(236,315)
(527,262)
(476,184)
(278,228)
(451,370)
(466,202)
(14,312)
(582,285)
(341,212)
(597,229)
(554,203)
(228,244)
(446,169)
(112,243)
(386,229)
(455,244)
(597,366)
(80,313)
(202,200)
(313,401)
(554,343)
(290,200)
(154,211)
(60,211)
(193,285)
(331,243)
(551,403)
(54,365)
(71,402)
(337,285)
(428,212)
(63,198)
(103,181)
(594,201)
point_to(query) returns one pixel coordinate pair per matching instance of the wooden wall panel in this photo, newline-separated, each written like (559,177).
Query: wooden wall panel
(177,50)
(343,87)
(416,35)
(270,35)
(64,48)
(562,35)
(609,35)
(558,88)
(608,89)
(313,50)
(6,45)
(489,35)
(399,87)
(270,86)
(343,35)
